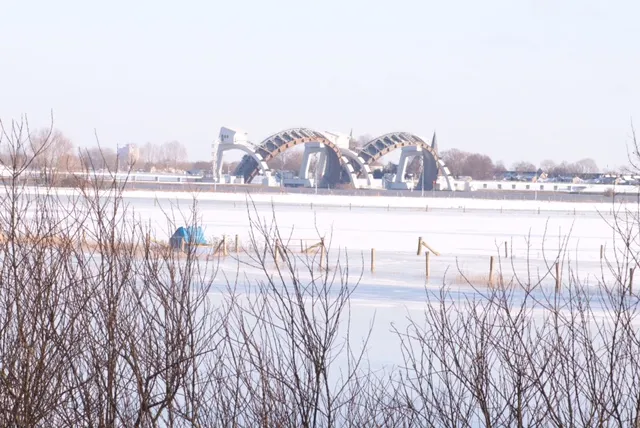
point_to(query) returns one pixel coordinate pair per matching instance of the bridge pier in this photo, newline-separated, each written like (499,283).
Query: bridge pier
(406,155)
(311,149)
(232,139)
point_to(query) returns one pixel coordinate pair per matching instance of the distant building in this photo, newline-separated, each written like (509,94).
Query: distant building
(128,155)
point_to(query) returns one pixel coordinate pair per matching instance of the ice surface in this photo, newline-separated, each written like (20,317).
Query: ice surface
(465,232)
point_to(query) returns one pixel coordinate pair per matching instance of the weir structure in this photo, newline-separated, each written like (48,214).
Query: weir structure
(337,163)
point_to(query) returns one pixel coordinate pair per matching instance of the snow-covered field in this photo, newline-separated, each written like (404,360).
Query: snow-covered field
(466,233)
(466,238)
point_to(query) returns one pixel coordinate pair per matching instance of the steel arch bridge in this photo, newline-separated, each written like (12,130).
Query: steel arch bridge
(342,164)
(387,143)
(284,140)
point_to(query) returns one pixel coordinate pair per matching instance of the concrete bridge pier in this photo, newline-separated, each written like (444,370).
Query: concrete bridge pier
(311,149)
(407,154)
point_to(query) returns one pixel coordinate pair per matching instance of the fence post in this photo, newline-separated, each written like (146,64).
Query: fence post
(631,280)
(301,247)
(558,282)
(427,264)
(506,251)
(491,271)
(225,251)
(420,245)
(601,252)
(373,260)
(237,244)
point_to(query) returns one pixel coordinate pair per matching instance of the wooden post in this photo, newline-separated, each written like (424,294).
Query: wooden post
(224,246)
(321,253)
(491,271)
(349,206)
(427,264)
(631,280)
(506,251)
(373,260)
(538,210)
(420,245)
(558,282)
(601,252)
(301,247)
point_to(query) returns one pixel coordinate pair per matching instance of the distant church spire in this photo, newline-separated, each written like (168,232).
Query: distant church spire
(434,142)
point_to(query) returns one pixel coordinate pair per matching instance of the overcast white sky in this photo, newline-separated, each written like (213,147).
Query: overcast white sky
(514,79)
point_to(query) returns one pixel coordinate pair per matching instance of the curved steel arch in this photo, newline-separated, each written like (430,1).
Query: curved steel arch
(284,140)
(385,144)
(358,166)
(249,153)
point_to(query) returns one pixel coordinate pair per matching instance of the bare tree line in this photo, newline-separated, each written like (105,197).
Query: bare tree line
(58,152)
(100,326)
(171,156)
(482,167)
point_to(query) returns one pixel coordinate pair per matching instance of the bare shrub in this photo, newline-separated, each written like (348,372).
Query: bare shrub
(102,325)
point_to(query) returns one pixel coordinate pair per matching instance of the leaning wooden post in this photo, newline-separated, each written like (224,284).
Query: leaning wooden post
(558,282)
(491,271)
(373,260)
(427,264)
(420,245)
(631,280)
(321,253)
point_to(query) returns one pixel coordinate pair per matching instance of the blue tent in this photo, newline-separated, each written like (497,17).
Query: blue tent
(187,235)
